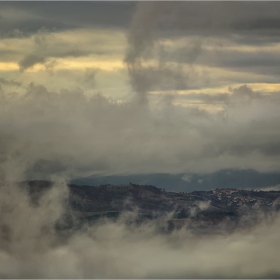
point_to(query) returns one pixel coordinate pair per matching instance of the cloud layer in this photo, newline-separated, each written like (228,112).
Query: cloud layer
(67,133)
(170,46)
(31,247)
(183,119)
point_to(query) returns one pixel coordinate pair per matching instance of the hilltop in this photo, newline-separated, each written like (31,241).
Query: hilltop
(206,208)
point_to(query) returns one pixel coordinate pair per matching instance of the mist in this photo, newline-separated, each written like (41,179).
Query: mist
(32,247)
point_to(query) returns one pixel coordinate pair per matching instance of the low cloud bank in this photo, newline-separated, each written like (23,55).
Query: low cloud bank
(66,133)
(31,246)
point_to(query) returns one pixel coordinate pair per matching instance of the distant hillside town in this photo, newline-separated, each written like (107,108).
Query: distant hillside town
(198,209)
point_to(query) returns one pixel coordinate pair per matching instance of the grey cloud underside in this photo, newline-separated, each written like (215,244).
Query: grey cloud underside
(257,24)
(261,62)
(190,17)
(25,28)
(223,18)
(250,23)
(59,16)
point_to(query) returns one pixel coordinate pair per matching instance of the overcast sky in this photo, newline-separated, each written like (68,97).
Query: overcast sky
(127,87)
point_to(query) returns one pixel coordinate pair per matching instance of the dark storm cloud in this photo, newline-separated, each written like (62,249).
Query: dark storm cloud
(59,16)
(210,17)
(257,38)
(260,24)
(108,14)
(225,15)
(253,22)
(242,59)
(255,61)
(26,27)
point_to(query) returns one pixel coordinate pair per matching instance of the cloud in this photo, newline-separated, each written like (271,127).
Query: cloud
(120,136)
(89,76)
(182,46)
(79,49)
(70,134)
(30,61)
(31,246)
(144,45)
(271,188)
(222,19)
(9,82)
(260,23)
(209,18)
(140,39)
(47,49)
(29,19)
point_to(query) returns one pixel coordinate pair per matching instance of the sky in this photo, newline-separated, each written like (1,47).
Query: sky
(138,87)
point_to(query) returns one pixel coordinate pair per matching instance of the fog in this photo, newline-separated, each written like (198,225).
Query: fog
(31,246)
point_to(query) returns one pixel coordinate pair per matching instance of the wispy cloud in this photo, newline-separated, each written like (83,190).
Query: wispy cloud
(32,247)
